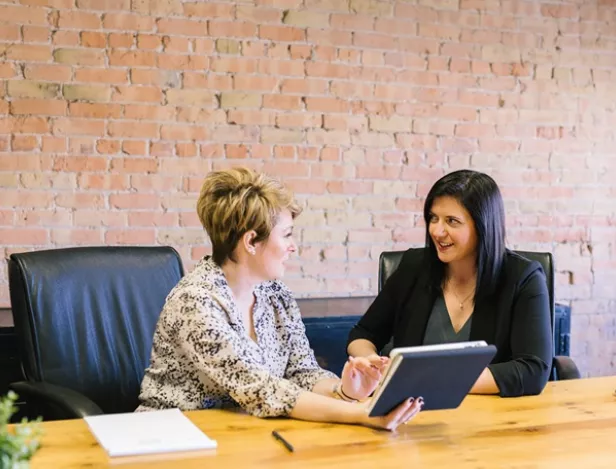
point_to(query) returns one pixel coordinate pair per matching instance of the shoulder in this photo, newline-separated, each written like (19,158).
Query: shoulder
(520,270)
(412,258)
(278,291)
(201,291)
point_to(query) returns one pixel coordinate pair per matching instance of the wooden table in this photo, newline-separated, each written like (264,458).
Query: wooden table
(571,425)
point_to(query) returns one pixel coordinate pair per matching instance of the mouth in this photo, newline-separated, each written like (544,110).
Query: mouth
(442,247)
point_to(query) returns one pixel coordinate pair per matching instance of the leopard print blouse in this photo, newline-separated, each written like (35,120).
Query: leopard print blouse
(202,356)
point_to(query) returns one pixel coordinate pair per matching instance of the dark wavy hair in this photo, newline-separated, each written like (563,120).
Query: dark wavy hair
(480,196)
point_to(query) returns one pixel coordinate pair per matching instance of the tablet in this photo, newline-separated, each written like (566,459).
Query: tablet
(441,374)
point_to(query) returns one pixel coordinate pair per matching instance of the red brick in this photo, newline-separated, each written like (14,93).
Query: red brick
(182,27)
(278,101)
(176,44)
(23,236)
(118,40)
(186,149)
(46,107)
(107,182)
(131,58)
(101,75)
(251,117)
(304,86)
(24,143)
(282,33)
(196,115)
(79,163)
(233,29)
(24,15)
(234,65)
(326,105)
(299,120)
(137,94)
(182,62)
(128,22)
(146,112)
(93,39)
(65,38)
(72,19)
(134,165)
(255,83)
(134,147)
(107,147)
(130,237)
(79,57)
(58,73)
(330,37)
(236,151)
(31,33)
(183,132)
(149,41)
(132,129)
(28,53)
(30,125)
(11,32)
(7,70)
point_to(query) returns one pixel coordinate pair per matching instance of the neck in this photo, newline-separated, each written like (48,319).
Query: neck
(462,272)
(240,280)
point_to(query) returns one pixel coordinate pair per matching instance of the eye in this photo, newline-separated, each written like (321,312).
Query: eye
(453,221)
(433,218)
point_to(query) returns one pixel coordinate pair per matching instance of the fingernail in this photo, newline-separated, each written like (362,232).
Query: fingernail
(420,399)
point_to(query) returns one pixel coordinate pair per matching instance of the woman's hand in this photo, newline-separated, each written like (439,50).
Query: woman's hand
(362,375)
(399,416)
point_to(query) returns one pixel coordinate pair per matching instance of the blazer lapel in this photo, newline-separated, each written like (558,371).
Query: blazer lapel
(483,326)
(417,309)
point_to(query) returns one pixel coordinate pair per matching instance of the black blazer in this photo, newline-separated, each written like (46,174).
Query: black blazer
(516,319)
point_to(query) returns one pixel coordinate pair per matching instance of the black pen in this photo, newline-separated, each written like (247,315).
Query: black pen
(280,438)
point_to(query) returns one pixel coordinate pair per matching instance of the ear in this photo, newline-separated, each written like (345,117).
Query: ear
(248,242)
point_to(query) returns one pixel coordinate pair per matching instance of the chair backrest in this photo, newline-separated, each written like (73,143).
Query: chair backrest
(85,317)
(389,261)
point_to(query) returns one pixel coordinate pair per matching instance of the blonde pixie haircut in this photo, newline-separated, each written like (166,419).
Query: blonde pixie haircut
(237,200)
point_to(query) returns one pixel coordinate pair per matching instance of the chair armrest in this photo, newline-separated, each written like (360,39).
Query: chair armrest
(565,368)
(70,403)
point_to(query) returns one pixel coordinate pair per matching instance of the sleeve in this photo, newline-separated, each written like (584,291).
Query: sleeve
(224,358)
(302,368)
(377,324)
(531,342)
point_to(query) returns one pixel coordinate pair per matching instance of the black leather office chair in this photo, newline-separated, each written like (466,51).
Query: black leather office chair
(562,367)
(84,322)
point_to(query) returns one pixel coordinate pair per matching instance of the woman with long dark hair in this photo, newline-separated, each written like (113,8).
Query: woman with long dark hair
(465,285)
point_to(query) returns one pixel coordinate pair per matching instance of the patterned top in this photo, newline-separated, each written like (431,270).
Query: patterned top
(202,356)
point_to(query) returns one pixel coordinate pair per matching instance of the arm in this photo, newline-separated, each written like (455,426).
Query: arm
(375,328)
(225,358)
(531,342)
(302,368)
(485,384)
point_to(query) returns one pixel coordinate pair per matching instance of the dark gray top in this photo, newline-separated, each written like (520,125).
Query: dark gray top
(440,330)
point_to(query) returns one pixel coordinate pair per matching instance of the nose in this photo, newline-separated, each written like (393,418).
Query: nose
(293,246)
(439,229)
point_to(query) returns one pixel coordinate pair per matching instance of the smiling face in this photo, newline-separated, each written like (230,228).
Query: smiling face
(271,254)
(452,230)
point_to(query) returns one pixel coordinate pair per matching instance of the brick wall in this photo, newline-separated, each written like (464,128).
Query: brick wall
(112,112)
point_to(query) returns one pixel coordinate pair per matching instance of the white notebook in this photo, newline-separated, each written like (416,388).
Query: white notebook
(158,431)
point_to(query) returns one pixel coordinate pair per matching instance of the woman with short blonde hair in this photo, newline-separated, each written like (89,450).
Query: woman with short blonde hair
(230,333)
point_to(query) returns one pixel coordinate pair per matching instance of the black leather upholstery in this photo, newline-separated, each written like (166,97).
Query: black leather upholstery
(563,367)
(85,319)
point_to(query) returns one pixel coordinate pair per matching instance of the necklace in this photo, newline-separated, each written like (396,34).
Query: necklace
(458,298)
